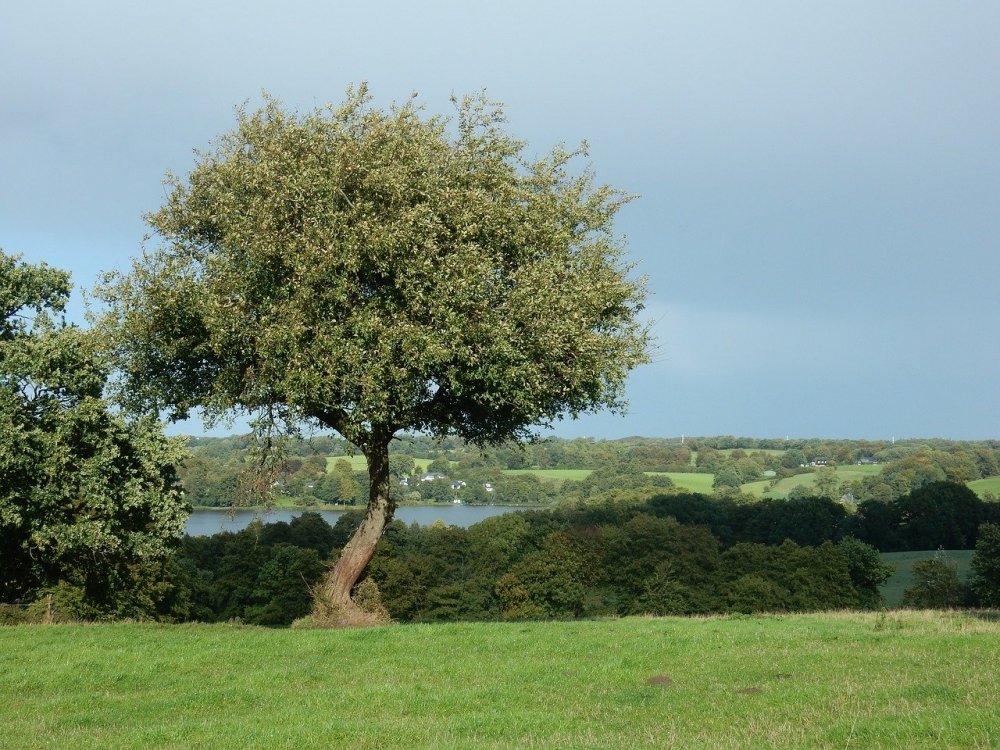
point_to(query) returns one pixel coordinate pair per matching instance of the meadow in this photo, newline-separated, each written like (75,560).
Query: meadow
(359,463)
(557,475)
(988,484)
(694,482)
(898,679)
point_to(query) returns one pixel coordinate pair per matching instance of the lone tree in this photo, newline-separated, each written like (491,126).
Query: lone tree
(373,271)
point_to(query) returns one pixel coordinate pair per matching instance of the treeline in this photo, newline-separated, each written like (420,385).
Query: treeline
(220,471)
(671,554)
(940,514)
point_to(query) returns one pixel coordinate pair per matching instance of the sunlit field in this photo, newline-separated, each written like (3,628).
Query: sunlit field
(889,680)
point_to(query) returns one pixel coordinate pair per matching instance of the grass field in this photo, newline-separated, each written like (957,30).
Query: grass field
(989,484)
(845,473)
(693,482)
(553,474)
(890,680)
(360,463)
(902,579)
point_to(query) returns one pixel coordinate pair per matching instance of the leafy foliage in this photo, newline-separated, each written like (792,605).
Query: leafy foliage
(939,514)
(375,271)
(585,561)
(87,499)
(985,579)
(364,269)
(935,585)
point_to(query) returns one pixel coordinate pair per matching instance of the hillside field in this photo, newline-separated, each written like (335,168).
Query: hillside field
(558,475)
(694,482)
(988,484)
(359,463)
(878,680)
(845,473)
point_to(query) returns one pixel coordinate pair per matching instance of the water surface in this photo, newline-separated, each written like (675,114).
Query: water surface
(208,522)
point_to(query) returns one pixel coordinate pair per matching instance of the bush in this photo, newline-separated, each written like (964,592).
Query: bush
(935,585)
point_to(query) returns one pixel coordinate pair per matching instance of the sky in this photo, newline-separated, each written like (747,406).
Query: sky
(819,183)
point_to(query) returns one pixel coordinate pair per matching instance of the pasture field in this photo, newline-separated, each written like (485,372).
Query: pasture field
(839,680)
(748,451)
(902,579)
(360,463)
(700,482)
(694,482)
(987,484)
(557,475)
(845,473)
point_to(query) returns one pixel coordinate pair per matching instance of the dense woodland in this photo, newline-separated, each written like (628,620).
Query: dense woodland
(674,553)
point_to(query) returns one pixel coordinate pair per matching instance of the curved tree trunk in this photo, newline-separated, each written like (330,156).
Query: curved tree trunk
(358,552)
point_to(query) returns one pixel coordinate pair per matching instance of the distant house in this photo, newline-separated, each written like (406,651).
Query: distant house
(488,487)
(457,484)
(821,462)
(431,476)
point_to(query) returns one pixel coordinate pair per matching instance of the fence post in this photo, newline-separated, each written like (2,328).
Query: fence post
(48,610)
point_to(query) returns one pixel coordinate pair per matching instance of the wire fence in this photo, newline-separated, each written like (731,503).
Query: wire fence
(44,612)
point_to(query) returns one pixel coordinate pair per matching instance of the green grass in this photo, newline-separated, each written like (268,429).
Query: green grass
(702,482)
(748,451)
(699,482)
(890,680)
(692,482)
(902,579)
(845,473)
(982,486)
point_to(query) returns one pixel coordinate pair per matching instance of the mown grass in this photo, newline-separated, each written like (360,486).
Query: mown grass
(903,562)
(900,679)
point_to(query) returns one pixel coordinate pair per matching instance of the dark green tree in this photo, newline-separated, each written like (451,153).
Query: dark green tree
(935,585)
(87,499)
(376,271)
(939,515)
(867,571)
(548,583)
(985,579)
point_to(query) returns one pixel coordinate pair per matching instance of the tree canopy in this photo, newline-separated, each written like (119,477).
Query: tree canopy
(87,499)
(372,271)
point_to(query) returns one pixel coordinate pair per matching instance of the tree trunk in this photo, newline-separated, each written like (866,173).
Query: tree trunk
(358,551)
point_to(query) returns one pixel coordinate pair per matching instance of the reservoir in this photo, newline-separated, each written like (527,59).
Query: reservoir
(207,522)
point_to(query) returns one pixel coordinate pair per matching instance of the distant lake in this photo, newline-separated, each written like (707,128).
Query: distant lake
(208,522)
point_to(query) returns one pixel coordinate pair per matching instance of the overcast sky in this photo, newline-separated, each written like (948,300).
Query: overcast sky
(820,182)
